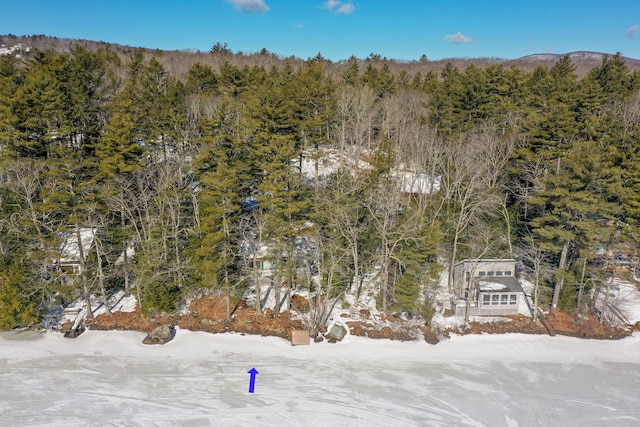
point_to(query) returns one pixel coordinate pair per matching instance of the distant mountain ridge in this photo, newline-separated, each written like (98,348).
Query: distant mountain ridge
(179,61)
(581,55)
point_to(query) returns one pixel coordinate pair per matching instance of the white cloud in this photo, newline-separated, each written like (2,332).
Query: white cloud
(458,38)
(338,7)
(346,8)
(633,31)
(251,6)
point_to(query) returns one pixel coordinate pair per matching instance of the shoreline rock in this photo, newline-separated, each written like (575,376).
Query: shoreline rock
(160,335)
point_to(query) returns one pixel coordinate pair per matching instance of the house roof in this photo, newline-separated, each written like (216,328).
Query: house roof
(270,249)
(498,284)
(70,250)
(479,261)
(417,183)
(329,161)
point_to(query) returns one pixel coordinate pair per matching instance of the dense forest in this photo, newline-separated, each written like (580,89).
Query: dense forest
(190,181)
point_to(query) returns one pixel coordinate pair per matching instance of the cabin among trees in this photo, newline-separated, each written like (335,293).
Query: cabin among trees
(487,287)
(74,251)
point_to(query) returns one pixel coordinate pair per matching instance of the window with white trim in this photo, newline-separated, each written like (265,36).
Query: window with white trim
(499,299)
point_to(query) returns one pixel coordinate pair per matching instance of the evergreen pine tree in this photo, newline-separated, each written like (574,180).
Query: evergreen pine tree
(574,198)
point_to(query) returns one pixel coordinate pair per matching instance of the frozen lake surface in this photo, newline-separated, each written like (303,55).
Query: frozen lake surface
(198,379)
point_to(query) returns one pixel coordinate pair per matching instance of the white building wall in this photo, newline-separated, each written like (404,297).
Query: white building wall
(481,268)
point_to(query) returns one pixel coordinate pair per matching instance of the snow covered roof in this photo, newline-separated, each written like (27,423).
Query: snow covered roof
(273,249)
(330,161)
(417,183)
(499,284)
(70,250)
(5,50)
(492,286)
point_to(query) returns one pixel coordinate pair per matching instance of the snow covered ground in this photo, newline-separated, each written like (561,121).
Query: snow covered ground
(624,302)
(198,379)
(76,312)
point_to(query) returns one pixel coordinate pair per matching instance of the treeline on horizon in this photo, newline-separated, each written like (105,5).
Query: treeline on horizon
(179,62)
(195,171)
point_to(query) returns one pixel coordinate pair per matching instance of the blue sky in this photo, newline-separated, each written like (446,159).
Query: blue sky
(338,29)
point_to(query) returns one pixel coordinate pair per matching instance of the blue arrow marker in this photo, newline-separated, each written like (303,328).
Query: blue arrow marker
(252,379)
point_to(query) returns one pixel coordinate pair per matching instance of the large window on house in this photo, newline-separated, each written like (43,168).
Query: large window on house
(499,299)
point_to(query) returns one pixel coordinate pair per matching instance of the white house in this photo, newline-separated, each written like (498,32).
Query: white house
(68,258)
(492,284)
(322,164)
(261,254)
(268,255)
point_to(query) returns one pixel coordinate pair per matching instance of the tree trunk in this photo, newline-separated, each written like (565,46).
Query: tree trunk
(605,302)
(507,220)
(470,290)
(454,254)
(256,285)
(356,272)
(584,268)
(83,275)
(277,283)
(139,296)
(385,277)
(103,292)
(536,297)
(127,285)
(560,278)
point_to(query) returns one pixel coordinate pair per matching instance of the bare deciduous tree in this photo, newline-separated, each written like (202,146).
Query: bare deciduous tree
(538,268)
(342,204)
(470,182)
(394,226)
(357,117)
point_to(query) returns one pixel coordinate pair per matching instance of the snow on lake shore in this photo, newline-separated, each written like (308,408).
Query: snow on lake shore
(198,379)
